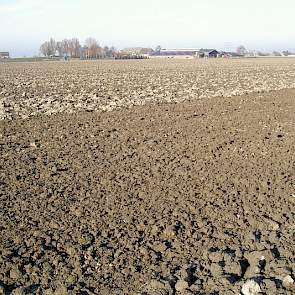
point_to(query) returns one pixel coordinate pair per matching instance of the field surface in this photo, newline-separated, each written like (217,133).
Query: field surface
(28,89)
(108,186)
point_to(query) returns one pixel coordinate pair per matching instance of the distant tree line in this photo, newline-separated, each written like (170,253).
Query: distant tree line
(73,48)
(241,50)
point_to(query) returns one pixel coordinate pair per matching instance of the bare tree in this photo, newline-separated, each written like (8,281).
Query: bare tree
(242,50)
(44,49)
(158,49)
(48,48)
(112,52)
(92,48)
(106,51)
(66,47)
(286,53)
(76,47)
(59,48)
(276,53)
(72,47)
(52,46)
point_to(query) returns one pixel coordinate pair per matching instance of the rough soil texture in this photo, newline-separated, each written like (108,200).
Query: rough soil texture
(189,198)
(27,89)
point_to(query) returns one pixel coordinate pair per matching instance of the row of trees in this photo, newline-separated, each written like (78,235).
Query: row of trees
(241,50)
(73,48)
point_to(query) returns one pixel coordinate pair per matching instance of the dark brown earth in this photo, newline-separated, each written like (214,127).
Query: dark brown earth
(189,198)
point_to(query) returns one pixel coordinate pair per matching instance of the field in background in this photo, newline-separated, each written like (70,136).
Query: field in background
(28,89)
(28,59)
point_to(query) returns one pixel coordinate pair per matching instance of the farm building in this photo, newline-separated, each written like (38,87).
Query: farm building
(180,53)
(230,54)
(207,53)
(4,54)
(136,51)
(186,53)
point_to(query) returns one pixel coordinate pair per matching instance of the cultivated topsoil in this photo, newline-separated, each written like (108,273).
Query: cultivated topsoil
(189,198)
(29,89)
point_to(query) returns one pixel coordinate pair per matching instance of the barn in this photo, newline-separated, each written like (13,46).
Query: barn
(186,53)
(176,53)
(209,53)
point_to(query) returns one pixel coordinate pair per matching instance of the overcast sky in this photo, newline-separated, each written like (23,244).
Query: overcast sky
(224,24)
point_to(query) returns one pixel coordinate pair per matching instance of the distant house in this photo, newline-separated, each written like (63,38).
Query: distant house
(4,54)
(207,53)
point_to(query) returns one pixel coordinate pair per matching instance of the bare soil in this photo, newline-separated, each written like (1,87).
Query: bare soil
(29,89)
(189,198)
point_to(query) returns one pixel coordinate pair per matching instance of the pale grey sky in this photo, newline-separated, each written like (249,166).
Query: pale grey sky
(224,24)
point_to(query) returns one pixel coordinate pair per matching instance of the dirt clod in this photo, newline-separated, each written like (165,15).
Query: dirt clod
(250,288)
